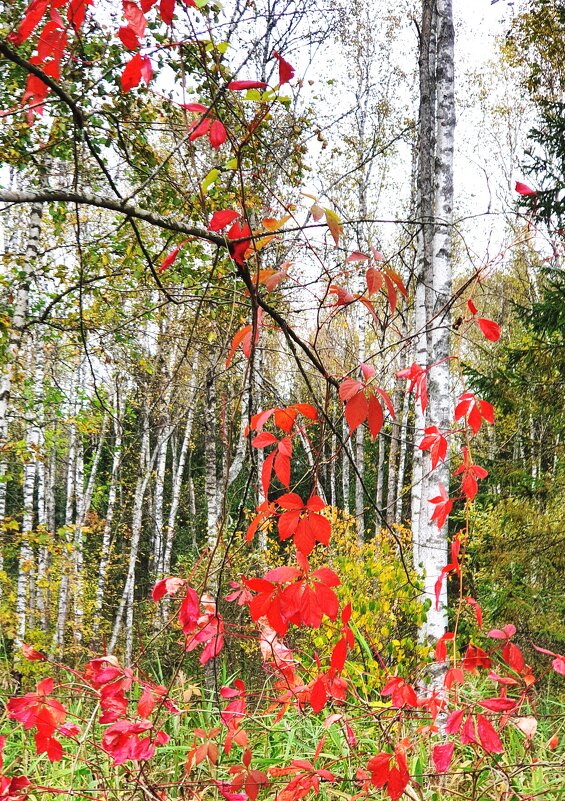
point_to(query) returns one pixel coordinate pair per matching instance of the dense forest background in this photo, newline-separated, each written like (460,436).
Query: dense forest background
(136,356)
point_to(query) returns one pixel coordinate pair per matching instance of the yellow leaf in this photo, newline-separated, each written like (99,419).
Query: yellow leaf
(334,224)
(212,176)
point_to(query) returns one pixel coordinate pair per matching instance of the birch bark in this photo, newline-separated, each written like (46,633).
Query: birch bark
(432,322)
(59,635)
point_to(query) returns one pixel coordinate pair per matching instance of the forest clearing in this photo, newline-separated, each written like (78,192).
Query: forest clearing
(282,405)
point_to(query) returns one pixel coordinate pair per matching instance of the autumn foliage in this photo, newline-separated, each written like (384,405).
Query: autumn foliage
(484,685)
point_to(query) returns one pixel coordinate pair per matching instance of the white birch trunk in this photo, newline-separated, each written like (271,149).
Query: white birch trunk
(62,608)
(15,331)
(380,483)
(402,458)
(433,550)
(25,564)
(211,477)
(333,487)
(41,600)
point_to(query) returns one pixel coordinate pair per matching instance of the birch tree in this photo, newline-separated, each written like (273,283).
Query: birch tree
(433,291)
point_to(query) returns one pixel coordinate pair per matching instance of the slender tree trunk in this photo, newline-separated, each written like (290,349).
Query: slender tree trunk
(146,463)
(25,565)
(18,321)
(43,551)
(333,487)
(177,480)
(107,533)
(380,481)
(84,500)
(15,331)
(437,125)
(403,428)
(59,636)
(393,461)
(345,465)
(211,466)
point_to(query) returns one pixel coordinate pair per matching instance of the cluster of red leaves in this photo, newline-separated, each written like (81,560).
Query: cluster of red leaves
(306,776)
(279,458)
(390,771)
(12,788)
(364,401)
(51,44)
(301,521)
(44,714)
(294,595)
(489,328)
(199,619)
(380,278)
(418,383)
(125,739)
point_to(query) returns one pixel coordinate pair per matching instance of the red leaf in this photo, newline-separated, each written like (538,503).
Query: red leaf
(200,128)
(286,71)
(237,340)
(290,501)
(146,703)
(375,416)
(238,249)
(374,280)
(283,574)
(356,256)
(76,12)
(282,468)
(33,655)
(453,722)
(478,610)
(442,755)
(339,655)
(220,219)
(128,38)
(524,189)
(513,657)
(501,704)
(443,506)
(135,17)
(33,16)
(217,134)
(326,575)
(171,258)
(379,768)
(264,439)
(266,472)
(139,67)
(318,696)
(434,442)
(166,586)
(356,411)
(490,329)
(237,86)
(487,735)
(348,388)
(196,108)
(167,11)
